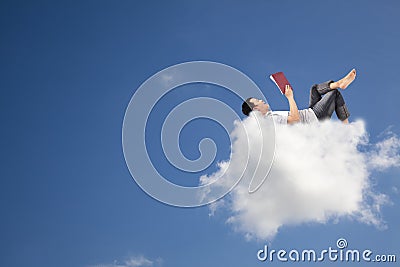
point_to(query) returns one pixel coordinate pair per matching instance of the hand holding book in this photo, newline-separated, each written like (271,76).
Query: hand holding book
(288,91)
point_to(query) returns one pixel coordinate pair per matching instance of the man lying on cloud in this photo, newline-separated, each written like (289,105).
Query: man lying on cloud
(324,99)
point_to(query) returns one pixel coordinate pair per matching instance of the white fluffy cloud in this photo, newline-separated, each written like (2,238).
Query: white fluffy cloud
(320,172)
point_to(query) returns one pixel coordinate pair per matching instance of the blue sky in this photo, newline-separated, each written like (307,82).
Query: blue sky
(68,71)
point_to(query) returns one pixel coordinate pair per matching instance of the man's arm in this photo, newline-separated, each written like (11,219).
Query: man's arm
(294,115)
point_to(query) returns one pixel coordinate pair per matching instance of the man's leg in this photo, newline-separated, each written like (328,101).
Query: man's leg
(317,91)
(332,101)
(324,106)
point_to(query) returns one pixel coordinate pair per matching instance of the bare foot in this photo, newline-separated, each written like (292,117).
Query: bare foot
(347,80)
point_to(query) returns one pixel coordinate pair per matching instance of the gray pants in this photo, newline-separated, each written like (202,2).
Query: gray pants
(324,100)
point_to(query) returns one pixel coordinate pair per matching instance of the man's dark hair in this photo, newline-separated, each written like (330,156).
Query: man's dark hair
(247,106)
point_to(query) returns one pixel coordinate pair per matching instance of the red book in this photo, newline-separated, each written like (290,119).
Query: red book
(280,80)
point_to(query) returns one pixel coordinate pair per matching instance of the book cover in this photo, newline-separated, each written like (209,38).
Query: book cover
(280,80)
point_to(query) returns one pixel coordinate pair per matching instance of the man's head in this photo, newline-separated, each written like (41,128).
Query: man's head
(252,103)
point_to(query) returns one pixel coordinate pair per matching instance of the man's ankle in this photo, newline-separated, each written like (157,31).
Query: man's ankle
(334,85)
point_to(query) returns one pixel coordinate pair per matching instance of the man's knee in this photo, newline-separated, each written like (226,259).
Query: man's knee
(314,88)
(334,92)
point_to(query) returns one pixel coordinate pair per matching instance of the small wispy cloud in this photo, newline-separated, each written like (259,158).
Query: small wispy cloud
(320,173)
(384,154)
(395,190)
(137,261)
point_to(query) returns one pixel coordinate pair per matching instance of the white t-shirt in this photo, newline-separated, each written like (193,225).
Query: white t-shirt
(306,116)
